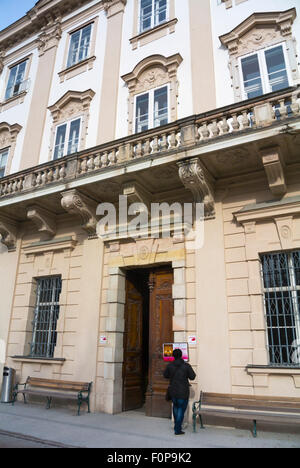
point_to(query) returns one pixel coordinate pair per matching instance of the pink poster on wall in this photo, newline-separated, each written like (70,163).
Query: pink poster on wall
(168,349)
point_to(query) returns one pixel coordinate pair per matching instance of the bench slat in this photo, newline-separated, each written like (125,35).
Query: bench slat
(247,407)
(293,418)
(57,384)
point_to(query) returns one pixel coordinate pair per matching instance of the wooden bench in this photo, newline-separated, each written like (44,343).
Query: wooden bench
(244,407)
(48,388)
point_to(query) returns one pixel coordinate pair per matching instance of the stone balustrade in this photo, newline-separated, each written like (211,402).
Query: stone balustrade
(186,133)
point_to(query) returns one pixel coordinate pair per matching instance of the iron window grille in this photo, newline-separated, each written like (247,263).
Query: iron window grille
(281,283)
(46,315)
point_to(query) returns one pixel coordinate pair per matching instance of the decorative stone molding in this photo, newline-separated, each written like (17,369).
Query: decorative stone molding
(8,138)
(8,134)
(50,36)
(8,231)
(78,204)
(196,179)
(284,227)
(136,194)
(150,73)
(259,30)
(71,105)
(44,220)
(66,244)
(153,34)
(113,7)
(267,371)
(280,211)
(2,55)
(273,164)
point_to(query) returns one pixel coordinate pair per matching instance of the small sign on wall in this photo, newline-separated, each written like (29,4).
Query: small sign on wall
(192,340)
(103,339)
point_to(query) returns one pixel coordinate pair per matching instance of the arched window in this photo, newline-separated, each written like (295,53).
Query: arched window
(153,92)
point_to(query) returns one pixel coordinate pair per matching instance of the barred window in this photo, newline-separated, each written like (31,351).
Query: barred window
(45,317)
(281,282)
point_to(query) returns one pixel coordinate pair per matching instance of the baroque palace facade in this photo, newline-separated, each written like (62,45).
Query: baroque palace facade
(160,101)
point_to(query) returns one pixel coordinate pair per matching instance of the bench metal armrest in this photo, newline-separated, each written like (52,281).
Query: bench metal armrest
(16,387)
(197,404)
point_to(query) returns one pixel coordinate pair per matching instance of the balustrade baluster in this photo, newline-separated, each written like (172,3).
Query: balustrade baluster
(224,125)
(104,159)
(245,120)
(97,162)
(90,163)
(204,130)
(62,171)
(235,123)
(147,147)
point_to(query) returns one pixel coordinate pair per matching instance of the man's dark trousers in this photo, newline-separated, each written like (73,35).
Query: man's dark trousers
(179,408)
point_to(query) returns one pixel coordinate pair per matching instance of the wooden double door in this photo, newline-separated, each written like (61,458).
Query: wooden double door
(148,324)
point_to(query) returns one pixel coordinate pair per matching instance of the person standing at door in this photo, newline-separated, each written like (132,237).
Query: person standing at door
(179,373)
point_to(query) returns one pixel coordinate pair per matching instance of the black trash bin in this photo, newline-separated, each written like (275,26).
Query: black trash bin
(8,383)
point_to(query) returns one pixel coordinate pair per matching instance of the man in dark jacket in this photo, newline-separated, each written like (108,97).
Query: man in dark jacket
(179,373)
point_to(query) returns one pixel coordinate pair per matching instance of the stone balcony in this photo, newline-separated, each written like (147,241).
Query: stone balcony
(200,153)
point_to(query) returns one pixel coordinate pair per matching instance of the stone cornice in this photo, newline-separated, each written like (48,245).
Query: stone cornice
(43,14)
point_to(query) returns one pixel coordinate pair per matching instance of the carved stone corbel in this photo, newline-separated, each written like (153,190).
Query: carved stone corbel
(8,231)
(136,194)
(44,220)
(195,178)
(78,204)
(274,167)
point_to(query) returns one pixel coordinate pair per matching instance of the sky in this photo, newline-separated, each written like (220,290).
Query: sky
(12,10)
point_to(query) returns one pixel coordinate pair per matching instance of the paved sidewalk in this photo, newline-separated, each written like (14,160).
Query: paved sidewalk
(126,430)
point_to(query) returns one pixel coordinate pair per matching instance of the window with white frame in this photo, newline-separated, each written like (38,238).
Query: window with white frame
(16,83)
(67,138)
(281,283)
(3,161)
(46,314)
(79,45)
(152,13)
(152,109)
(264,71)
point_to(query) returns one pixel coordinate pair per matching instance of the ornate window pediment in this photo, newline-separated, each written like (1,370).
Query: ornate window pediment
(8,138)
(259,30)
(71,105)
(153,72)
(256,48)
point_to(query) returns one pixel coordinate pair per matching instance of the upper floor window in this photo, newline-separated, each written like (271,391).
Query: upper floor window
(152,109)
(67,138)
(3,161)
(281,282)
(16,82)
(264,72)
(262,54)
(152,13)
(79,45)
